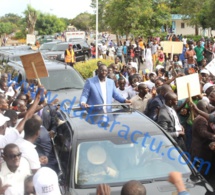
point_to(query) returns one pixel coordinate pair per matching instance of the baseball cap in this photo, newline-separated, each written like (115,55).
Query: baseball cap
(206,86)
(46,182)
(205,71)
(70,44)
(3,119)
(158,67)
(96,155)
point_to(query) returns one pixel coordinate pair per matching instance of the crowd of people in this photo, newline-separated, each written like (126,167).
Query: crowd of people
(27,126)
(28,123)
(150,52)
(154,93)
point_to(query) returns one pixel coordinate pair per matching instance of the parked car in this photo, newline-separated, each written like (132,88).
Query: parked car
(119,146)
(81,48)
(63,81)
(45,47)
(46,38)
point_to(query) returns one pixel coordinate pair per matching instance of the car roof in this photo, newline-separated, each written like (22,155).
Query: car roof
(83,128)
(52,42)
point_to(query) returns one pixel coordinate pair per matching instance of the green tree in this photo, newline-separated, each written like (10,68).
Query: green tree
(49,24)
(31,18)
(206,16)
(82,21)
(192,10)
(6,27)
(102,14)
(12,18)
(156,15)
(66,21)
(138,17)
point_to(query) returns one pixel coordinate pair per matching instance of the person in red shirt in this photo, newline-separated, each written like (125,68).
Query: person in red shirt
(93,50)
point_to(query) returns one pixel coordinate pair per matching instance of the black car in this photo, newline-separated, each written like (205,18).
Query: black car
(64,82)
(81,48)
(119,146)
(45,47)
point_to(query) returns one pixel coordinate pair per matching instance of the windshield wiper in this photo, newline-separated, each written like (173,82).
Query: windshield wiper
(153,180)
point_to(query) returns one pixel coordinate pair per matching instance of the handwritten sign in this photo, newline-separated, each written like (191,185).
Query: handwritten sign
(182,89)
(211,67)
(173,47)
(34,62)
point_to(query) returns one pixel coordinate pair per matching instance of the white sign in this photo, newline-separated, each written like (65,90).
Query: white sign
(211,67)
(173,47)
(182,89)
(75,35)
(30,39)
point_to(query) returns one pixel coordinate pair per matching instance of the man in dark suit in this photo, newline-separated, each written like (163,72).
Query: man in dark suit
(169,121)
(154,104)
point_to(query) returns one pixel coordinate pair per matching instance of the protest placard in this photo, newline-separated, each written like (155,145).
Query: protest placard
(182,86)
(173,47)
(211,67)
(34,66)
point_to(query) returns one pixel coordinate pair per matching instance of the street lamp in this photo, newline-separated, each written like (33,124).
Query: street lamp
(97,29)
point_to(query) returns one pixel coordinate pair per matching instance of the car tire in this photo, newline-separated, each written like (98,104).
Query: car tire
(86,58)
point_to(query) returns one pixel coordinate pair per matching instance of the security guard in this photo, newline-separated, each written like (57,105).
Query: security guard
(70,55)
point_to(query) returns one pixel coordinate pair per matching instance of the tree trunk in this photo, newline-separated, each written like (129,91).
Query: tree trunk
(196,30)
(117,39)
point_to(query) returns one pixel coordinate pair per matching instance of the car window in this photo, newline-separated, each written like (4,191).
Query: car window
(78,46)
(74,47)
(69,78)
(14,74)
(109,162)
(60,47)
(84,44)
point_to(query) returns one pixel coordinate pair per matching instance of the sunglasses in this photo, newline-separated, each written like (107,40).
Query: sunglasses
(14,156)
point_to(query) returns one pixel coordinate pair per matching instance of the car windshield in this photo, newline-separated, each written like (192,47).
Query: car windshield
(109,161)
(60,47)
(69,78)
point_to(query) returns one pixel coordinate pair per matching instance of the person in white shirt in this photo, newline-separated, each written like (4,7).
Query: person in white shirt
(151,82)
(14,170)
(147,53)
(184,39)
(139,102)
(122,89)
(111,52)
(10,135)
(104,51)
(26,146)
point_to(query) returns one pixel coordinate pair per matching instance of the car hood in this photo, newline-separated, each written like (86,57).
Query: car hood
(54,53)
(161,187)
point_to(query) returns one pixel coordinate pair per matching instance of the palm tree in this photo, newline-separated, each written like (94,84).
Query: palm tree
(31,18)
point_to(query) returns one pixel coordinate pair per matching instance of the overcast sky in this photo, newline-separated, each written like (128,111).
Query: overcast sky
(61,8)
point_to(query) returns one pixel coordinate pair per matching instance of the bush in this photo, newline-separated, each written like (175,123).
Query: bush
(86,68)
(195,37)
(20,35)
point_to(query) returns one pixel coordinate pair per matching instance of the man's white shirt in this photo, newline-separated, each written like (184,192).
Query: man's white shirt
(29,152)
(16,179)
